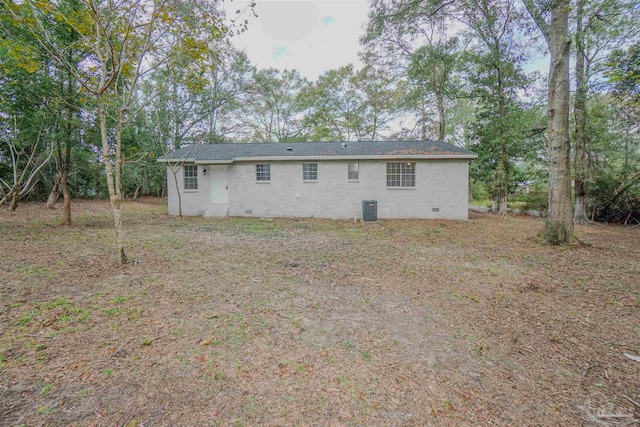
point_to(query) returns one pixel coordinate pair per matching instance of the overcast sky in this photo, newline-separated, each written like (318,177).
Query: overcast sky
(306,35)
(311,36)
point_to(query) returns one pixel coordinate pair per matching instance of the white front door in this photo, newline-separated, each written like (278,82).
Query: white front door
(219,183)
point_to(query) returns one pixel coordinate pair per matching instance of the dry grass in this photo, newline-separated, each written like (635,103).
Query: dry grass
(314,322)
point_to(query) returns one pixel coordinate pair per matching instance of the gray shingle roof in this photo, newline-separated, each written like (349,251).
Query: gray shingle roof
(204,152)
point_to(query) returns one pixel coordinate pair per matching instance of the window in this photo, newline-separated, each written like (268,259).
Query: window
(353,171)
(263,173)
(401,174)
(310,172)
(190,177)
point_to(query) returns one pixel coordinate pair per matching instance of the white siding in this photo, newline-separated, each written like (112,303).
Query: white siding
(440,184)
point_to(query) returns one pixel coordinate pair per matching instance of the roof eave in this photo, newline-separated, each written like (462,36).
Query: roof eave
(462,156)
(177,160)
(345,157)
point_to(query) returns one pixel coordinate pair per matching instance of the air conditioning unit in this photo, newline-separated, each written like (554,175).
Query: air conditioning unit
(369,210)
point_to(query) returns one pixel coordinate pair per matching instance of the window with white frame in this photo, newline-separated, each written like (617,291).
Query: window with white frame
(190,173)
(353,171)
(263,173)
(309,171)
(401,174)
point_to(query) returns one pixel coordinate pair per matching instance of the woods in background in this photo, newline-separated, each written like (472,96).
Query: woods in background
(91,93)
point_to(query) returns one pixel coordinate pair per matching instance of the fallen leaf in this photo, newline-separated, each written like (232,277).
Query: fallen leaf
(632,357)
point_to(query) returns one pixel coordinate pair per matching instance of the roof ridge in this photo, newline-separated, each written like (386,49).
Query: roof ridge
(314,149)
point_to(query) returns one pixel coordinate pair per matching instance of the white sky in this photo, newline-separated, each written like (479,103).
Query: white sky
(311,36)
(306,35)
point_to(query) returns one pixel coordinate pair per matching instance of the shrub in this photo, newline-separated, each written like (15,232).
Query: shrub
(614,200)
(537,200)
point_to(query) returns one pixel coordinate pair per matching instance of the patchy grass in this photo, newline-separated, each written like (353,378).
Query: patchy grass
(303,321)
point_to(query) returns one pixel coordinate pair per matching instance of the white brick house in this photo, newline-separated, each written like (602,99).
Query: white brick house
(416,179)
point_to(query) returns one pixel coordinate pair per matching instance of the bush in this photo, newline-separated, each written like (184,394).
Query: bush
(479,190)
(536,200)
(613,200)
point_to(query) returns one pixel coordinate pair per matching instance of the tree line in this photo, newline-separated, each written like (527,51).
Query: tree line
(93,91)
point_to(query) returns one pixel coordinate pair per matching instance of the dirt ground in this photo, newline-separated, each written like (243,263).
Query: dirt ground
(239,322)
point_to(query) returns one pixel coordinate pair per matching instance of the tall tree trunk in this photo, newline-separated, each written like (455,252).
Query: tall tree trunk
(136,193)
(466,135)
(502,203)
(423,120)
(500,198)
(119,129)
(504,166)
(114,195)
(177,120)
(441,118)
(14,199)
(580,113)
(502,183)
(375,127)
(55,193)
(66,213)
(559,225)
(65,165)
(175,178)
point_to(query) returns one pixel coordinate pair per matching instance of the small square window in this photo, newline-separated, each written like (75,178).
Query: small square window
(263,173)
(353,171)
(401,174)
(190,175)
(310,172)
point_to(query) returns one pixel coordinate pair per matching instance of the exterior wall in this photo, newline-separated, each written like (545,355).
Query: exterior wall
(440,184)
(194,202)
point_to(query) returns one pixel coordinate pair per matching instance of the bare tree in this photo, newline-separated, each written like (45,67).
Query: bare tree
(26,163)
(175,165)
